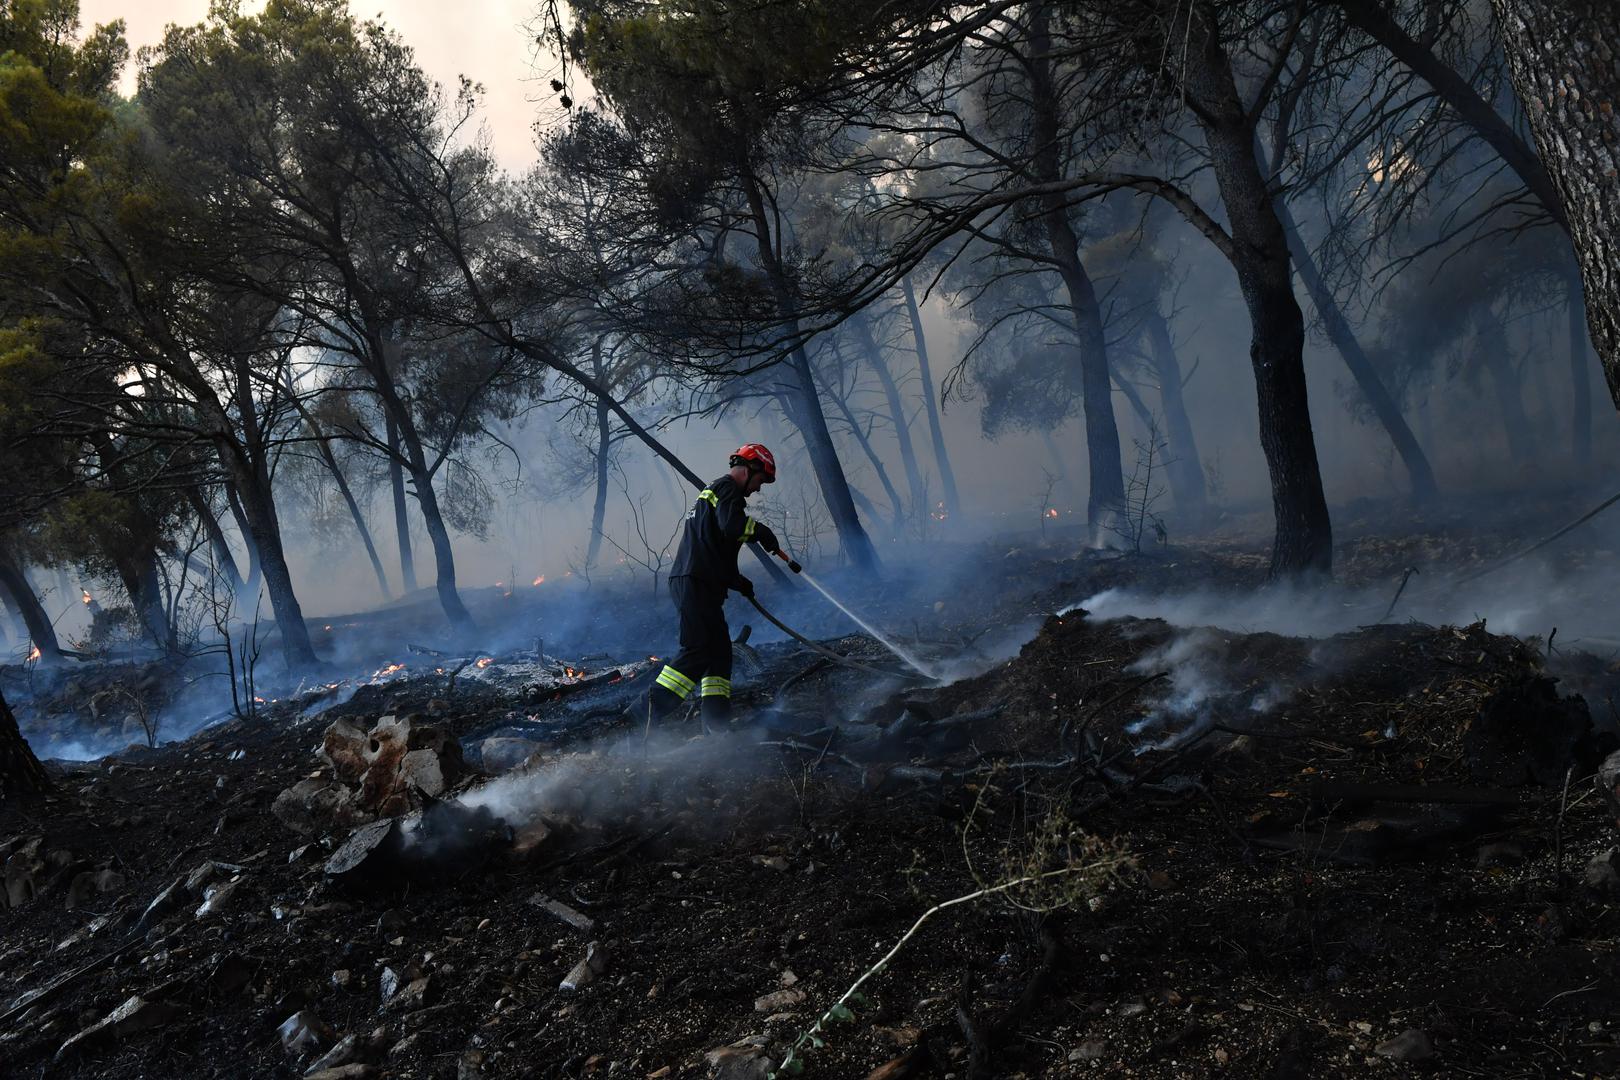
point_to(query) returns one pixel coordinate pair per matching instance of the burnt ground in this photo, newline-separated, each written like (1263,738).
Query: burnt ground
(1285,857)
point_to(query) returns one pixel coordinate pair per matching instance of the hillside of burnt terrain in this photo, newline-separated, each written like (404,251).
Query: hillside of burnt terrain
(1200,851)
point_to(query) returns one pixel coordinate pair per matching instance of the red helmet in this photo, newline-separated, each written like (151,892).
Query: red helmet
(752,454)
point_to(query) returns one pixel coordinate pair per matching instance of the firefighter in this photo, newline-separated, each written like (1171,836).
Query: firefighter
(705,568)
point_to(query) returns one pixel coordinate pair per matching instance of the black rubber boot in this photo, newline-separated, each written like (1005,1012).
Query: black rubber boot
(715,710)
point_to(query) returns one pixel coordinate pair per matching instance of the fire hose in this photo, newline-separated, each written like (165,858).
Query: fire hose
(837,658)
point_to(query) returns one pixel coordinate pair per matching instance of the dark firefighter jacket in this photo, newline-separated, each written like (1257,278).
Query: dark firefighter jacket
(717,527)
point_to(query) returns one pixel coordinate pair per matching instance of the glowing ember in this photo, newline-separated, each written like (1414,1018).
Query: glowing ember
(33,654)
(327,628)
(1051,513)
(389,670)
(569,673)
(85,594)
(541,580)
(486,661)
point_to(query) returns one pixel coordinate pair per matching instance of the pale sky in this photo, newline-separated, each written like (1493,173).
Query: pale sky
(485,40)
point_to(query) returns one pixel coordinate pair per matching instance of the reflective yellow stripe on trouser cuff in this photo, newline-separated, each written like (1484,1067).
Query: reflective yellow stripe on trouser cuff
(715,686)
(675,682)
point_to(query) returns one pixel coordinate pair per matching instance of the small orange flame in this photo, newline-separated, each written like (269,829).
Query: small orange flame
(85,593)
(389,670)
(486,661)
(541,580)
(1052,513)
(33,654)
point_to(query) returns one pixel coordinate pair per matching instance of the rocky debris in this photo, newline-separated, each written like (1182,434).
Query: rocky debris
(1526,734)
(1603,873)
(31,871)
(744,1059)
(1094,1050)
(216,897)
(304,1033)
(577,919)
(503,753)
(1500,853)
(388,771)
(1413,1044)
(1608,784)
(356,1071)
(91,883)
(346,1051)
(593,964)
(135,1015)
(779,1001)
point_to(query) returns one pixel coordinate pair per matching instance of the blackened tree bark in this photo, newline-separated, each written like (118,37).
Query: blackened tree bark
(1106,495)
(1580,385)
(224,559)
(897,505)
(942,459)
(323,446)
(1564,56)
(1184,467)
(897,411)
(1419,474)
(38,623)
(21,774)
(255,567)
(807,414)
(604,438)
(402,518)
(1303,545)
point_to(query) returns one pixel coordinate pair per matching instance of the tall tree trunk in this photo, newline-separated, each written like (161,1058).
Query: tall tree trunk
(251,481)
(444,560)
(402,520)
(807,414)
(899,514)
(1259,252)
(323,445)
(138,571)
(1580,378)
(255,565)
(1506,386)
(942,459)
(40,630)
(604,434)
(21,774)
(1419,475)
(1564,56)
(224,560)
(1106,497)
(897,412)
(1184,467)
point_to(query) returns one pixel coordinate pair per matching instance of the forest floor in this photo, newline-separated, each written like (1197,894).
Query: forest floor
(1259,856)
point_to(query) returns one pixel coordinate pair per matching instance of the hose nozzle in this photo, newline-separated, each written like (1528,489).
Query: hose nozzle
(792,564)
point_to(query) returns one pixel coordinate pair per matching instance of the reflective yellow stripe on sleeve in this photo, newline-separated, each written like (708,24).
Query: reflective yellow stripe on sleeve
(710,497)
(748,530)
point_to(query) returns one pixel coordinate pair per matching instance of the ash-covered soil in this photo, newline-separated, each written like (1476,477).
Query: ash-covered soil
(1257,856)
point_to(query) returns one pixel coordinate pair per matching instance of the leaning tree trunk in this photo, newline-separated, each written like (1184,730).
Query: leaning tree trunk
(252,484)
(812,422)
(899,515)
(947,477)
(250,586)
(604,442)
(138,571)
(1384,406)
(897,412)
(1105,499)
(1184,467)
(21,774)
(323,445)
(402,518)
(1259,252)
(224,560)
(1564,56)
(1580,383)
(40,630)
(444,559)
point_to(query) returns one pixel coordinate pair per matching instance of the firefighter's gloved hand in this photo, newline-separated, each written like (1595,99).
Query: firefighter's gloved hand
(766,539)
(744,586)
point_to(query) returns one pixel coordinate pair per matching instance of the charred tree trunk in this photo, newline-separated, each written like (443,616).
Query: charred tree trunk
(138,571)
(604,435)
(224,560)
(1564,56)
(21,774)
(899,513)
(252,484)
(1105,498)
(947,477)
(402,520)
(1418,473)
(807,414)
(323,446)
(1259,252)
(1580,380)
(897,413)
(40,630)
(1506,386)
(1184,467)
(255,565)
